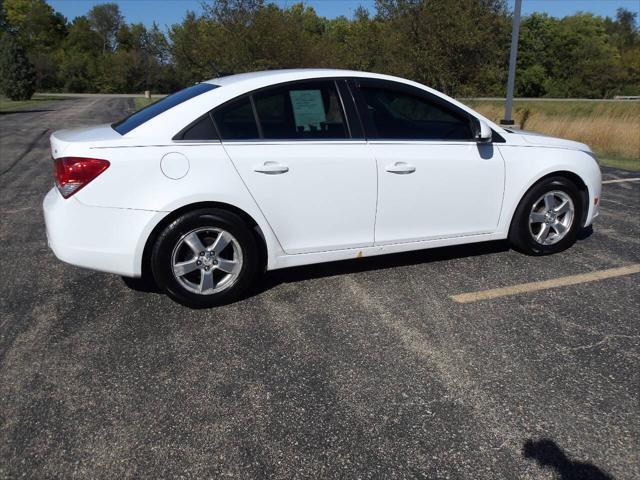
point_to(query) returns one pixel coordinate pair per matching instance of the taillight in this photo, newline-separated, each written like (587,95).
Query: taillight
(73,173)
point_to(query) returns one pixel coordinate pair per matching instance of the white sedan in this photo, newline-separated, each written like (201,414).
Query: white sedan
(208,187)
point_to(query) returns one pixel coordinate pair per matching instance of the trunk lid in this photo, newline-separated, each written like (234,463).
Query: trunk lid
(93,136)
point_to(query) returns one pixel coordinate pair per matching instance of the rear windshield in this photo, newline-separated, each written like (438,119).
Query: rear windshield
(147,113)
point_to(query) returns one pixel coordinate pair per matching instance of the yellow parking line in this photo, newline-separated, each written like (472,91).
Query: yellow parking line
(546,284)
(620,180)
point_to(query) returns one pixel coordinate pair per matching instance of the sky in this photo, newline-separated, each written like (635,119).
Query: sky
(168,12)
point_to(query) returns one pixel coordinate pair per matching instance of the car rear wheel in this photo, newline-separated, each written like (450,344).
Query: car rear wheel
(205,258)
(547,219)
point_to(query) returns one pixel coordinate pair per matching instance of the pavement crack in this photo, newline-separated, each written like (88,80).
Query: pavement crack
(604,340)
(18,210)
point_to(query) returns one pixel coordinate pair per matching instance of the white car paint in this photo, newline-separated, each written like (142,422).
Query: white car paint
(338,199)
(427,204)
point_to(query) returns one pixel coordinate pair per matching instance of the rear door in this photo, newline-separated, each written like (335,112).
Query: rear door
(434,180)
(302,156)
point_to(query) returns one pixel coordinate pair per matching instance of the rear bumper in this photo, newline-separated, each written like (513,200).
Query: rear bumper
(105,239)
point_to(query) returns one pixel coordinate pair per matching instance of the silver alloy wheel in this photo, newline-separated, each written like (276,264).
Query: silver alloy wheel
(207,260)
(551,217)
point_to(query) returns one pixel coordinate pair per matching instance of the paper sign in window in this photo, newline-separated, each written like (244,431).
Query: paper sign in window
(308,110)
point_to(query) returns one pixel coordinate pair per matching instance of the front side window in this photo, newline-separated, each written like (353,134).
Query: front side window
(397,114)
(309,110)
(144,115)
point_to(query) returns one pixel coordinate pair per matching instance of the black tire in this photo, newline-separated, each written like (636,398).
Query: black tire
(520,235)
(168,240)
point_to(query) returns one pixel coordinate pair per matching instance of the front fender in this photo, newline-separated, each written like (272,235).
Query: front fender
(525,166)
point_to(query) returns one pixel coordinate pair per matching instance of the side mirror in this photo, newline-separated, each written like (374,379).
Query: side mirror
(484,134)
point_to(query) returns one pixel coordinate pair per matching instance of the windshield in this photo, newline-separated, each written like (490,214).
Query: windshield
(136,119)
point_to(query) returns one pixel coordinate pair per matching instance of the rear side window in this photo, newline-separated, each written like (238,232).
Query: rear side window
(306,110)
(236,121)
(201,129)
(142,116)
(398,114)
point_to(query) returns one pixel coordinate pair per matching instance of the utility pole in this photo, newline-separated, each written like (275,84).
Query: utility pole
(515,32)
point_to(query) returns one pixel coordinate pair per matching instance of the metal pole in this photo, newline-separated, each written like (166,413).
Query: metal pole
(515,31)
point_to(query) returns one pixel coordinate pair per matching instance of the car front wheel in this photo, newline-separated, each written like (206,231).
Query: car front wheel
(547,219)
(205,258)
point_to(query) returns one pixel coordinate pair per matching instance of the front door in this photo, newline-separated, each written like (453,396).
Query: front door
(434,180)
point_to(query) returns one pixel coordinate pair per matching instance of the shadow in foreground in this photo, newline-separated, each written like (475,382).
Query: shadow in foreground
(549,455)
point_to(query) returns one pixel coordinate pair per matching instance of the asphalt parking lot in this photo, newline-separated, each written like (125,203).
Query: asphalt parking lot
(359,369)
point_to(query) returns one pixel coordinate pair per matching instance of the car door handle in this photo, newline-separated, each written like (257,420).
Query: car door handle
(271,168)
(401,168)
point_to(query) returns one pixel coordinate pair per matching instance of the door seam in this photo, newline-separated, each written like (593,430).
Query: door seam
(253,198)
(375,217)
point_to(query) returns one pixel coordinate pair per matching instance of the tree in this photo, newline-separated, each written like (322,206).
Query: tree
(40,31)
(361,43)
(106,20)
(442,43)
(36,24)
(291,37)
(624,29)
(16,73)
(538,35)
(78,57)
(140,59)
(531,81)
(4,25)
(220,41)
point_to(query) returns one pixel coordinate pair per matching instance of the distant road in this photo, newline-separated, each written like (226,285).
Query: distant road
(97,95)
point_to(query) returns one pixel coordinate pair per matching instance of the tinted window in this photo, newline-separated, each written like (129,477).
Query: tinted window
(301,110)
(235,121)
(141,116)
(402,115)
(202,129)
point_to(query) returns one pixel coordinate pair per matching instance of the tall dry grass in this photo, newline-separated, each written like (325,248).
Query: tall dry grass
(609,128)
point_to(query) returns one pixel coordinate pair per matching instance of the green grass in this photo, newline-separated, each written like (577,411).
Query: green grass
(631,164)
(7,105)
(141,102)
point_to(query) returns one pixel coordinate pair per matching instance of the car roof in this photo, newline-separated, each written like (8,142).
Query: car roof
(276,76)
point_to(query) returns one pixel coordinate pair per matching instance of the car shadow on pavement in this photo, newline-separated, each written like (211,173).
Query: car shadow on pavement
(364,264)
(549,455)
(146,284)
(379,262)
